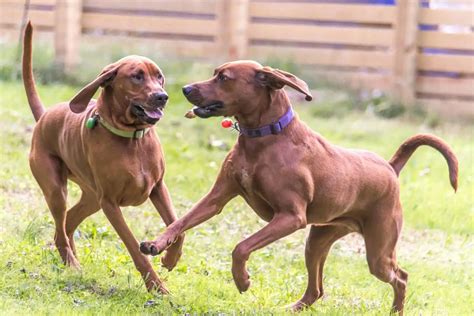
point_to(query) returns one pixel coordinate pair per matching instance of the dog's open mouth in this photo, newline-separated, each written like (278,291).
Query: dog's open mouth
(150,115)
(208,110)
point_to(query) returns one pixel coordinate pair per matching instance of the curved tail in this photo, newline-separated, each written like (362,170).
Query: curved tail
(405,151)
(28,80)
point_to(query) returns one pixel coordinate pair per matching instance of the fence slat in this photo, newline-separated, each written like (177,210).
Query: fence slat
(449,63)
(191,6)
(446,40)
(135,23)
(445,86)
(320,34)
(13,16)
(232,39)
(447,16)
(67,31)
(404,45)
(325,56)
(167,47)
(32,2)
(324,12)
(354,80)
(463,110)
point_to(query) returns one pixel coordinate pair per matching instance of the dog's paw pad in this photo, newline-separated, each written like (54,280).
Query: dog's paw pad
(145,247)
(153,250)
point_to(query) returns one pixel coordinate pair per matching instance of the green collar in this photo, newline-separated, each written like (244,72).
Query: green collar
(92,122)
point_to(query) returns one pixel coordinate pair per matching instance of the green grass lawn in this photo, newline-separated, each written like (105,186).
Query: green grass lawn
(436,246)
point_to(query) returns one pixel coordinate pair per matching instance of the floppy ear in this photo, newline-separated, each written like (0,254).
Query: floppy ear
(277,79)
(82,98)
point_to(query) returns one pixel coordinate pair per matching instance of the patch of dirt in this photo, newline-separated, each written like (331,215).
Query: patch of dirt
(424,245)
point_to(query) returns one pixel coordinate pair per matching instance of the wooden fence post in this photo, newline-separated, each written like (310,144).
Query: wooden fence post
(67,33)
(233,19)
(404,51)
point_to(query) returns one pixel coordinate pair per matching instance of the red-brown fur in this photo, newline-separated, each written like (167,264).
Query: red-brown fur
(110,170)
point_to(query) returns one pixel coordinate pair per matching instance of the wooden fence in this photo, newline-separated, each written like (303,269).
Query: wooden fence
(403,49)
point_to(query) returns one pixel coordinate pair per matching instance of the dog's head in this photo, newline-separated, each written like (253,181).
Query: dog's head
(133,88)
(238,88)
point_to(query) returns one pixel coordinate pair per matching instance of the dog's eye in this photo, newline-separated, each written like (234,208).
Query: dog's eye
(222,77)
(139,76)
(160,77)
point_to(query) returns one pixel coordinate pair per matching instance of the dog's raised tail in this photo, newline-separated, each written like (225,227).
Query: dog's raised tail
(405,151)
(27,70)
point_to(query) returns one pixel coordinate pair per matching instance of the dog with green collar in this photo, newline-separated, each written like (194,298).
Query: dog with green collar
(109,148)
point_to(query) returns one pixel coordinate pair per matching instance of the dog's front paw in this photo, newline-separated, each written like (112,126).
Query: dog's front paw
(241,279)
(173,253)
(156,285)
(151,248)
(158,245)
(297,306)
(146,247)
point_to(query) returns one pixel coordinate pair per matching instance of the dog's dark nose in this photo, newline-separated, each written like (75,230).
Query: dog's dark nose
(187,89)
(160,97)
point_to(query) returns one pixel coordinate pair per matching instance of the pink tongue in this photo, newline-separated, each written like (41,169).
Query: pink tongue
(155,114)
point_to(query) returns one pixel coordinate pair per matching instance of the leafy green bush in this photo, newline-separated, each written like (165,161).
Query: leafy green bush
(381,105)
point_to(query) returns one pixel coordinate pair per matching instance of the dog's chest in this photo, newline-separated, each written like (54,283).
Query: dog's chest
(243,173)
(138,181)
(245,179)
(249,189)
(130,175)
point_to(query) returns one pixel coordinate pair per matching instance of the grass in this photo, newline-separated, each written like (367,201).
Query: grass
(436,246)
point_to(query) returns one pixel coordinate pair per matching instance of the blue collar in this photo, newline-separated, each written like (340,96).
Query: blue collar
(270,129)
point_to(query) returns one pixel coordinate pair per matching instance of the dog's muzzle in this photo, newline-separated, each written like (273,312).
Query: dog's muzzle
(148,114)
(208,110)
(193,95)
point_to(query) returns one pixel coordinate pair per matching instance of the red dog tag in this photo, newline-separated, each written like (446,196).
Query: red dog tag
(226,123)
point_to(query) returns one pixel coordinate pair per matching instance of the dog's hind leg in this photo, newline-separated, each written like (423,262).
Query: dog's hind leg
(86,206)
(381,231)
(318,244)
(51,175)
